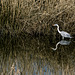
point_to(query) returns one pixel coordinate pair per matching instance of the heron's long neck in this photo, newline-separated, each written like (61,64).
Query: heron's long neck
(58,29)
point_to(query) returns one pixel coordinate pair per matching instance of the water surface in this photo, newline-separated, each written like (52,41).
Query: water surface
(36,56)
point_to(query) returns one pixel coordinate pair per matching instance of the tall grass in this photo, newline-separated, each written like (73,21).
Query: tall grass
(36,16)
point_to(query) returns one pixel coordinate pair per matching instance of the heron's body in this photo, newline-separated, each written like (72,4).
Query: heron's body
(63,33)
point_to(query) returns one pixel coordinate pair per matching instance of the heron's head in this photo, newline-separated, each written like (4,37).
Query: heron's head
(55,24)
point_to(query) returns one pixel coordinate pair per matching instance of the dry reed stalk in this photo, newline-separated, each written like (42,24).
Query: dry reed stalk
(27,15)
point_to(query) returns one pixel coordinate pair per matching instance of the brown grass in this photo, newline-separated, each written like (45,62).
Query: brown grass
(37,16)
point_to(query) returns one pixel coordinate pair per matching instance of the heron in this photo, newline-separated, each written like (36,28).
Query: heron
(63,33)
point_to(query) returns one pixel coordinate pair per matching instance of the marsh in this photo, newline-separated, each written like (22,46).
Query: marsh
(29,45)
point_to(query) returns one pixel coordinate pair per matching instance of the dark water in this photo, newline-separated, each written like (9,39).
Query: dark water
(36,56)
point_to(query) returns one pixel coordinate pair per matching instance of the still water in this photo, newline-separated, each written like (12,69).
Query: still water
(36,56)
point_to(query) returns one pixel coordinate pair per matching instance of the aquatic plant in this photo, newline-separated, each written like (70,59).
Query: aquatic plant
(36,16)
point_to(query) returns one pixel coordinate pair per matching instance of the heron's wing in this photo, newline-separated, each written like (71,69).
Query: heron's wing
(65,34)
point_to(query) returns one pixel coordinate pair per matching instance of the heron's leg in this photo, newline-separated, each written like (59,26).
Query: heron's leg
(62,37)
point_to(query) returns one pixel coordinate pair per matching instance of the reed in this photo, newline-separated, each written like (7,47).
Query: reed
(36,16)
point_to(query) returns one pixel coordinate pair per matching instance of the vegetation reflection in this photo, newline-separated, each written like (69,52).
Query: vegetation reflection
(34,56)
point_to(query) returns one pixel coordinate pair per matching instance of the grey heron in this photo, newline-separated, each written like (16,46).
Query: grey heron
(63,33)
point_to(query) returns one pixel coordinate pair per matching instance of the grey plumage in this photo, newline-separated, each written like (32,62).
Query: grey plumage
(63,33)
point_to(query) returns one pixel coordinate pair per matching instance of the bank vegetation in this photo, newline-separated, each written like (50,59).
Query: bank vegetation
(36,16)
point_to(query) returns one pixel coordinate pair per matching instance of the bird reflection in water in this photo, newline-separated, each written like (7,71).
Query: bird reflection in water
(62,42)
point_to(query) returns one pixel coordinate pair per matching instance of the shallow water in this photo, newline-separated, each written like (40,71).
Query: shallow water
(36,56)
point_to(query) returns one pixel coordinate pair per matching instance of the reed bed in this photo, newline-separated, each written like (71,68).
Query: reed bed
(36,16)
